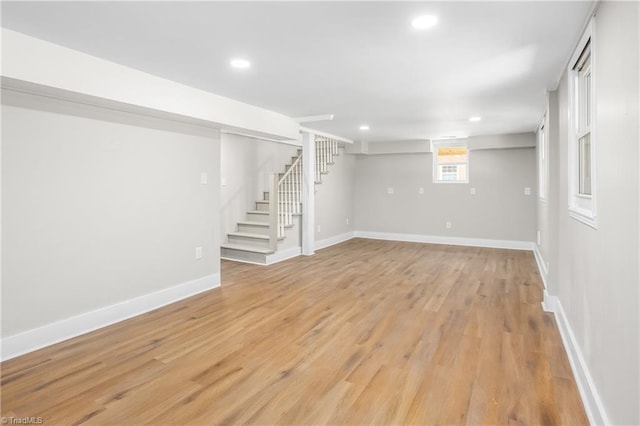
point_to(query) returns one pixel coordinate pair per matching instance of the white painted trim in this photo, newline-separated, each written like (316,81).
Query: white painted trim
(581,208)
(455,241)
(583,216)
(233,259)
(544,273)
(588,392)
(589,17)
(549,302)
(270,259)
(591,400)
(325,134)
(281,255)
(336,239)
(37,338)
(308,221)
(295,142)
(309,118)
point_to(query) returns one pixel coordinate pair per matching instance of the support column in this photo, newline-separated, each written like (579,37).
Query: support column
(308,193)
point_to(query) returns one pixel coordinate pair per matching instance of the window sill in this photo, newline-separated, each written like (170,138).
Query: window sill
(585,216)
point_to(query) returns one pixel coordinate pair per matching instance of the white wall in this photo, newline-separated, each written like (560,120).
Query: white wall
(334,199)
(100,207)
(245,166)
(594,272)
(498,211)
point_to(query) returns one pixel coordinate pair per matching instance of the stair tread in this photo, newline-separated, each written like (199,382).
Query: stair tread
(243,247)
(251,235)
(258,212)
(252,223)
(248,235)
(258,224)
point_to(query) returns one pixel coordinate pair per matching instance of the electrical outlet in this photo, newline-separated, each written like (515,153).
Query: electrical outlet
(204,178)
(198,253)
(472,191)
(389,190)
(319,229)
(420,191)
(448,225)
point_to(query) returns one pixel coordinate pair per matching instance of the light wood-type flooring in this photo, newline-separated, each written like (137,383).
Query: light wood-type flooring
(364,332)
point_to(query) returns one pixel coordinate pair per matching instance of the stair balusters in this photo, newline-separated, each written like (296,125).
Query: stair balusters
(286,192)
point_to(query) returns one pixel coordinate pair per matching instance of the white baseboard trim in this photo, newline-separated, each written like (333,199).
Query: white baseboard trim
(454,241)
(549,302)
(281,255)
(336,239)
(542,267)
(37,338)
(593,404)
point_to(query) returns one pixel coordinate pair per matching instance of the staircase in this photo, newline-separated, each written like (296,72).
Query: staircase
(275,227)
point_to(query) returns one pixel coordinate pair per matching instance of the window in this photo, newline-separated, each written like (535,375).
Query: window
(582,171)
(449,172)
(542,161)
(583,103)
(450,162)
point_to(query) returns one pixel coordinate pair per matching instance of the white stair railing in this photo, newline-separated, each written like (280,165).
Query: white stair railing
(285,198)
(285,193)
(326,149)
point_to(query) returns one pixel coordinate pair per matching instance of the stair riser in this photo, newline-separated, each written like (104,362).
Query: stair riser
(252,229)
(287,167)
(262,206)
(243,256)
(298,174)
(253,242)
(255,217)
(266,196)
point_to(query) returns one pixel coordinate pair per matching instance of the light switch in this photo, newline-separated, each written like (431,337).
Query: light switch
(204,178)
(420,191)
(472,191)
(390,190)
(527,191)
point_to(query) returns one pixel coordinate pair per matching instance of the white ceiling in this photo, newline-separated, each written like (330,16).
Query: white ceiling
(361,61)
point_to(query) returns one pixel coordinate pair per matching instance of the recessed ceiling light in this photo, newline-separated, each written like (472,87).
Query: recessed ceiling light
(425,21)
(475,118)
(240,63)
(364,127)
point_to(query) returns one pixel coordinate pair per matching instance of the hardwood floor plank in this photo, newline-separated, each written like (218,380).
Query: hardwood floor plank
(364,332)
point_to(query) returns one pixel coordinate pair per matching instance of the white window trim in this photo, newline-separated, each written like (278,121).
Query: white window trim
(582,207)
(543,161)
(434,150)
